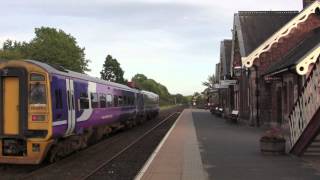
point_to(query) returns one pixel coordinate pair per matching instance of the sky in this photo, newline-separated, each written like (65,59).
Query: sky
(175,42)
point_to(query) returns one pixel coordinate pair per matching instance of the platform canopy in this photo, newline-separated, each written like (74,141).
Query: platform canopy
(286,38)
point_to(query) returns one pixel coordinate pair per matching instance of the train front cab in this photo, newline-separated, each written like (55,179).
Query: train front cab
(25,113)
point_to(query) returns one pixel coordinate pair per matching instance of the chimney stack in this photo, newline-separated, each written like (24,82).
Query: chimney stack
(306,3)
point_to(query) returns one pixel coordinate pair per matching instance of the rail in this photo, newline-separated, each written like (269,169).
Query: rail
(127,147)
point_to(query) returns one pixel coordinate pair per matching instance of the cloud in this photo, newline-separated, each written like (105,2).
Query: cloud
(174,42)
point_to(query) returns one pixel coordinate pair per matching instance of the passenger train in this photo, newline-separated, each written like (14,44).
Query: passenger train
(48,112)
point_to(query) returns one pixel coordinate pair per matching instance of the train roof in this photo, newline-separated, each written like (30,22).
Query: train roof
(65,72)
(149,93)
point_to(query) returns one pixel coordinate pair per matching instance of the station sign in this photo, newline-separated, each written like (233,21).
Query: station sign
(269,79)
(228,82)
(220,86)
(237,71)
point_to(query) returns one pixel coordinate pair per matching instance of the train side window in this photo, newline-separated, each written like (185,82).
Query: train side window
(120,100)
(115,100)
(102,100)
(129,100)
(94,100)
(125,100)
(58,95)
(84,101)
(109,100)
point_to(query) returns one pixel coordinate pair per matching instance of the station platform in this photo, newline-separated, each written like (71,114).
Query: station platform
(203,146)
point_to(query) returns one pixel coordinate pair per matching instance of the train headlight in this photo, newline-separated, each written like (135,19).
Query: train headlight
(38,117)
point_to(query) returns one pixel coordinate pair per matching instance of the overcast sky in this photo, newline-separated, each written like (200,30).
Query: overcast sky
(175,42)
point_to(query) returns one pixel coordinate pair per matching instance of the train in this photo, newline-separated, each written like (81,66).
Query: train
(48,112)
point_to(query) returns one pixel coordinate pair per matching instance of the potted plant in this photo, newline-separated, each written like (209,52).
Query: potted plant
(273,141)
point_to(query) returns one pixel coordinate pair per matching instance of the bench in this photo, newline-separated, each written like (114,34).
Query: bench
(234,116)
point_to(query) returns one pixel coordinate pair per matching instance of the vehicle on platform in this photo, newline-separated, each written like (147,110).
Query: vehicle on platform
(48,112)
(217,110)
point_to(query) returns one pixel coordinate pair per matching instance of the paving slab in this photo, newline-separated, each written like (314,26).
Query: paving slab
(179,156)
(232,152)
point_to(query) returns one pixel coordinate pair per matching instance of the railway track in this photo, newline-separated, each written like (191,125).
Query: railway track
(92,162)
(93,173)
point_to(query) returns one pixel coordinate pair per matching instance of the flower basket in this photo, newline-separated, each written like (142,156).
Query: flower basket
(273,142)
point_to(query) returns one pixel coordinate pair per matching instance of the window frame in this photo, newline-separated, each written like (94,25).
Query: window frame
(81,98)
(110,103)
(94,104)
(100,100)
(44,85)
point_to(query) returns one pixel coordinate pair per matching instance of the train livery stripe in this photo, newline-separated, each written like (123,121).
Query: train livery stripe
(57,123)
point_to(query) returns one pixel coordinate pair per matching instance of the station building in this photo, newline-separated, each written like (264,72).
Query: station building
(267,47)
(250,29)
(275,60)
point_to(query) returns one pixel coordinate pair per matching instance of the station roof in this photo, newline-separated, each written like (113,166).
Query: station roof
(294,56)
(289,34)
(254,27)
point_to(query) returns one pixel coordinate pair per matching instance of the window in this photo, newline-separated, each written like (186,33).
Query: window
(125,100)
(37,94)
(129,100)
(94,100)
(58,95)
(36,77)
(133,100)
(102,100)
(115,101)
(84,101)
(120,100)
(109,100)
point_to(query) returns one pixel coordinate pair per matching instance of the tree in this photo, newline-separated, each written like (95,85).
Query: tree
(13,50)
(142,82)
(50,46)
(210,82)
(112,71)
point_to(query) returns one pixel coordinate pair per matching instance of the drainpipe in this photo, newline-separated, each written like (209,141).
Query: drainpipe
(257,95)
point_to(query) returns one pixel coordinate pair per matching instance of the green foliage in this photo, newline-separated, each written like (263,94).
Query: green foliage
(210,82)
(50,46)
(142,82)
(180,99)
(112,71)
(13,50)
(198,98)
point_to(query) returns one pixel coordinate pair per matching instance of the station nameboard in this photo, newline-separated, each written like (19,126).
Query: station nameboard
(220,86)
(228,82)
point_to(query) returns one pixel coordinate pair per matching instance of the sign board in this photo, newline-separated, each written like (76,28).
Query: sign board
(213,90)
(271,79)
(228,82)
(237,71)
(220,86)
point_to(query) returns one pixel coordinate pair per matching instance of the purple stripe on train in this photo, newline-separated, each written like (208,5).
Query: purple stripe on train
(94,117)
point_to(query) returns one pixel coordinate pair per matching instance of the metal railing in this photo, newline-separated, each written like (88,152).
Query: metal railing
(306,105)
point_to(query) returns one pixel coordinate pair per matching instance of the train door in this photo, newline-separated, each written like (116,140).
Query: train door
(71,106)
(14,103)
(11,105)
